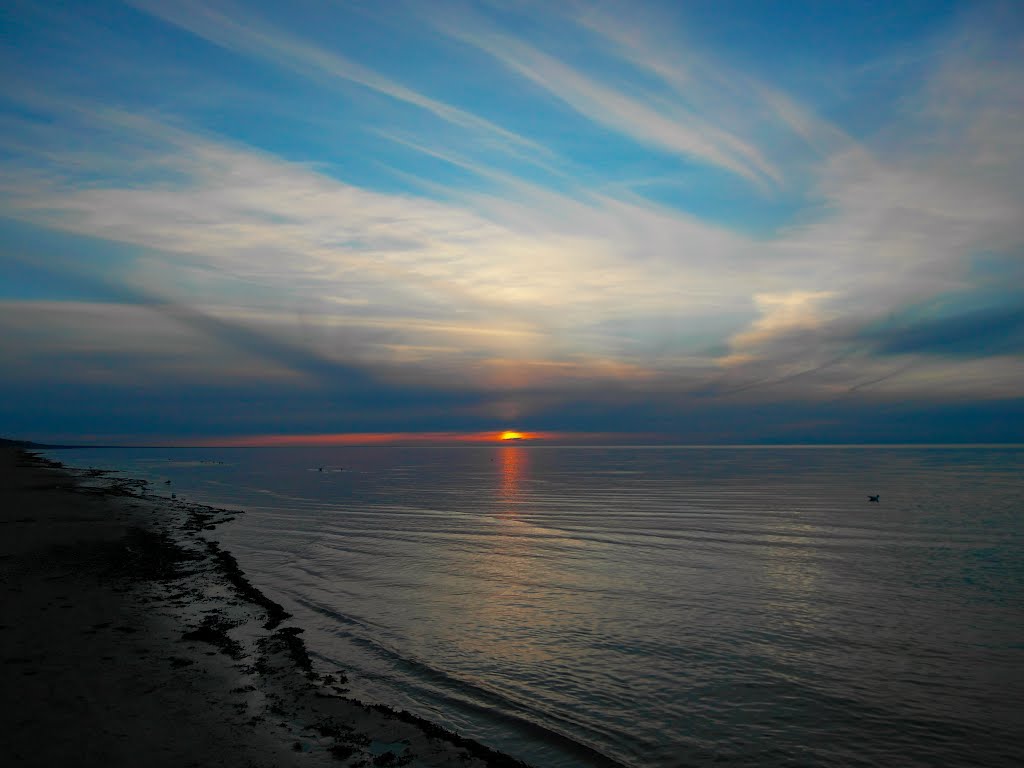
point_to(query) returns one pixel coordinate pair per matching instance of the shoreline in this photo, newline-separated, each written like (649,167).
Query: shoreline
(131,636)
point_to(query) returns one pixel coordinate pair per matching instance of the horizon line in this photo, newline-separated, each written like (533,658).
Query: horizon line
(482,439)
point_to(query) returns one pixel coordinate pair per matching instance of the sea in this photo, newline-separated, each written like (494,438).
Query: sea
(647,606)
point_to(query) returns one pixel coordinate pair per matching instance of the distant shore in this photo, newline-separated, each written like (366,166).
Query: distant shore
(129,637)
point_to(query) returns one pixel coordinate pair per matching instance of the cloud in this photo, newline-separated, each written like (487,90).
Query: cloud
(146,336)
(241,32)
(414,266)
(702,83)
(981,333)
(673,128)
(782,315)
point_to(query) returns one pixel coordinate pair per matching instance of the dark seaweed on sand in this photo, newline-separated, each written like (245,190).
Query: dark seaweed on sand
(214,630)
(229,566)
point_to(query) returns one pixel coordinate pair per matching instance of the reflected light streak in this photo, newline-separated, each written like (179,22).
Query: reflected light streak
(513,463)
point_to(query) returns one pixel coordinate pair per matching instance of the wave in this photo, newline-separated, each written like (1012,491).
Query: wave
(484,701)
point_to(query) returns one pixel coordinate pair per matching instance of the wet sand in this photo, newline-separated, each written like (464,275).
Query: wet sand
(129,637)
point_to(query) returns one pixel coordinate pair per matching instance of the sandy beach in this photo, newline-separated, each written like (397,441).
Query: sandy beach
(130,637)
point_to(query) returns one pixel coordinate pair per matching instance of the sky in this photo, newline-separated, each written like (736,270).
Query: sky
(692,222)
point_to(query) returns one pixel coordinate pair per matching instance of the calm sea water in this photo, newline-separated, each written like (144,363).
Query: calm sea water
(649,606)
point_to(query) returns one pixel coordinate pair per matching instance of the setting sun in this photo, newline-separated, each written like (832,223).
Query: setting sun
(512,436)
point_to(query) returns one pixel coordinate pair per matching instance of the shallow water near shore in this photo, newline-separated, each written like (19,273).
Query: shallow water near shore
(647,606)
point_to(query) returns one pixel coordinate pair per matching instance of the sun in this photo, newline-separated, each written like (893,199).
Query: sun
(507,435)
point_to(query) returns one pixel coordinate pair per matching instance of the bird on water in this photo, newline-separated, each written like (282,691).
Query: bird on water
(875,498)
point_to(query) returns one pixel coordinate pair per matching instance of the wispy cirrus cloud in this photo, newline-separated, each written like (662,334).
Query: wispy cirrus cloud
(671,127)
(237,30)
(400,273)
(761,120)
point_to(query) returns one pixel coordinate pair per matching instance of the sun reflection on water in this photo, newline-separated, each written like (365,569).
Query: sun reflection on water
(512,462)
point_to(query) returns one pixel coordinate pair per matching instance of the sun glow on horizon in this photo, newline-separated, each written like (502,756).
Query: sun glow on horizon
(385,438)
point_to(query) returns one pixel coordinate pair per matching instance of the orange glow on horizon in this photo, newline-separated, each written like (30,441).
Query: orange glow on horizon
(384,438)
